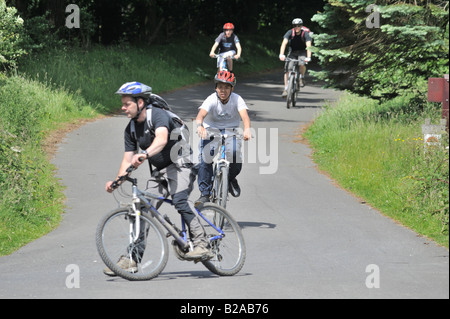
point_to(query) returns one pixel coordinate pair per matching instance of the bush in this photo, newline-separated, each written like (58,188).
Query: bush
(11,29)
(31,198)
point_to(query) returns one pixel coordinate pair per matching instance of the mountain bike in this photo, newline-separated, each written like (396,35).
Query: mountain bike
(137,232)
(294,81)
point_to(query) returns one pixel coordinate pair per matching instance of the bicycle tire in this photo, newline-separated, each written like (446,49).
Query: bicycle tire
(230,251)
(290,90)
(294,92)
(113,243)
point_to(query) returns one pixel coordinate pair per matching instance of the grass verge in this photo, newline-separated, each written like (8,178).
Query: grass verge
(377,152)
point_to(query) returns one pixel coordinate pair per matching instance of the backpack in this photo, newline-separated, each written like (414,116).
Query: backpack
(302,35)
(180,133)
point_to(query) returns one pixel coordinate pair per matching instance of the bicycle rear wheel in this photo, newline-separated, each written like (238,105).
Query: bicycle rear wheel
(228,248)
(146,257)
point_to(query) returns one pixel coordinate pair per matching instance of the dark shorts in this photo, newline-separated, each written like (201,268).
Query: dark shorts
(293,55)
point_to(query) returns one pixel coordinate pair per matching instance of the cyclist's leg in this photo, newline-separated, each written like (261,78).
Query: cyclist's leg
(181,184)
(205,172)
(228,58)
(233,148)
(302,68)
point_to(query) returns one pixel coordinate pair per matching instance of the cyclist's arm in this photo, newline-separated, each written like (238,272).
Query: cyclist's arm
(283,49)
(213,49)
(239,51)
(160,141)
(308,52)
(126,162)
(201,131)
(247,125)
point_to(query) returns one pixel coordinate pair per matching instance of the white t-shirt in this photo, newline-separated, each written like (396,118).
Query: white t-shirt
(223,116)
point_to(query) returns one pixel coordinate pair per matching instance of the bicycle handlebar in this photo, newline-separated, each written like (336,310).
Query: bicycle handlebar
(217,56)
(122,178)
(301,60)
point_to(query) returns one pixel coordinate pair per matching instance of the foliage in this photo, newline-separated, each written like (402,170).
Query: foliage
(96,72)
(31,198)
(11,26)
(409,45)
(161,21)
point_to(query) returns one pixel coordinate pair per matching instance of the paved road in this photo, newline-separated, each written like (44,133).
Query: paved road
(305,237)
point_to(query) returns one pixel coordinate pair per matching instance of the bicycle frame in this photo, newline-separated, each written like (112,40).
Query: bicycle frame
(222,162)
(139,197)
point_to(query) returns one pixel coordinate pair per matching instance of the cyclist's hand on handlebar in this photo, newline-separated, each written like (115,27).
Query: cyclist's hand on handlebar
(308,60)
(108,187)
(213,55)
(282,57)
(201,131)
(247,134)
(138,159)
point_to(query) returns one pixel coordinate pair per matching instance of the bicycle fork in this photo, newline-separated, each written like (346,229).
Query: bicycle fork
(135,228)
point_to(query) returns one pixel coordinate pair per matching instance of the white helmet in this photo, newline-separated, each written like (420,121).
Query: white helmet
(297,21)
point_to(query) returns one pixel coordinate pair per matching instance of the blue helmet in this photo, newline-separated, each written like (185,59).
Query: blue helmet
(135,89)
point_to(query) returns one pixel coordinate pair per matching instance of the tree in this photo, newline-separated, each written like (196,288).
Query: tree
(382,49)
(11,28)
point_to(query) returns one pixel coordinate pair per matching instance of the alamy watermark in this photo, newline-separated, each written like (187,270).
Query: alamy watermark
(262,149)
(373,279)
(73,19)
(73,279)
(374,19)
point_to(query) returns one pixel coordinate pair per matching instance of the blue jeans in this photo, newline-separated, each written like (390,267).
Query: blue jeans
(208,149)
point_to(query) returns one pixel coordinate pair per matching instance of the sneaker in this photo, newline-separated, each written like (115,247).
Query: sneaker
(199,254)
(302,82)
(124,263)
(202,200)
(284,94)
(234,188)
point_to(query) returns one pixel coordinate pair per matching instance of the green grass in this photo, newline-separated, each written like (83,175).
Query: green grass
(380,157)
(61,86)
(98,72)
(31,198)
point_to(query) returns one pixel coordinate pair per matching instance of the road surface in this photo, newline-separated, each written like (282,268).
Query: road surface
(306,238)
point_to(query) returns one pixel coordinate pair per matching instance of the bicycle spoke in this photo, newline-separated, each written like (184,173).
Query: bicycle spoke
(140,259)
(228,246)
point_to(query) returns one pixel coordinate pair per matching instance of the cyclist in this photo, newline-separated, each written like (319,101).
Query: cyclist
(154,140)
(221,111)
(299,39)
(229,46)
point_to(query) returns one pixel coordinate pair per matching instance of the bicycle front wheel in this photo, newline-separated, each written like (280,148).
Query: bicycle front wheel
(226,240)
(131,252)
(221,186)
(290,91)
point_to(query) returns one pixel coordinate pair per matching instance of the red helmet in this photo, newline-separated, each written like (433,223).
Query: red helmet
(225,77)
(228,26)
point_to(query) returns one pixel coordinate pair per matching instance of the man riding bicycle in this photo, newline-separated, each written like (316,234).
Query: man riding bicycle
(299,39)
(154,138)
(228,44)
(221,111)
